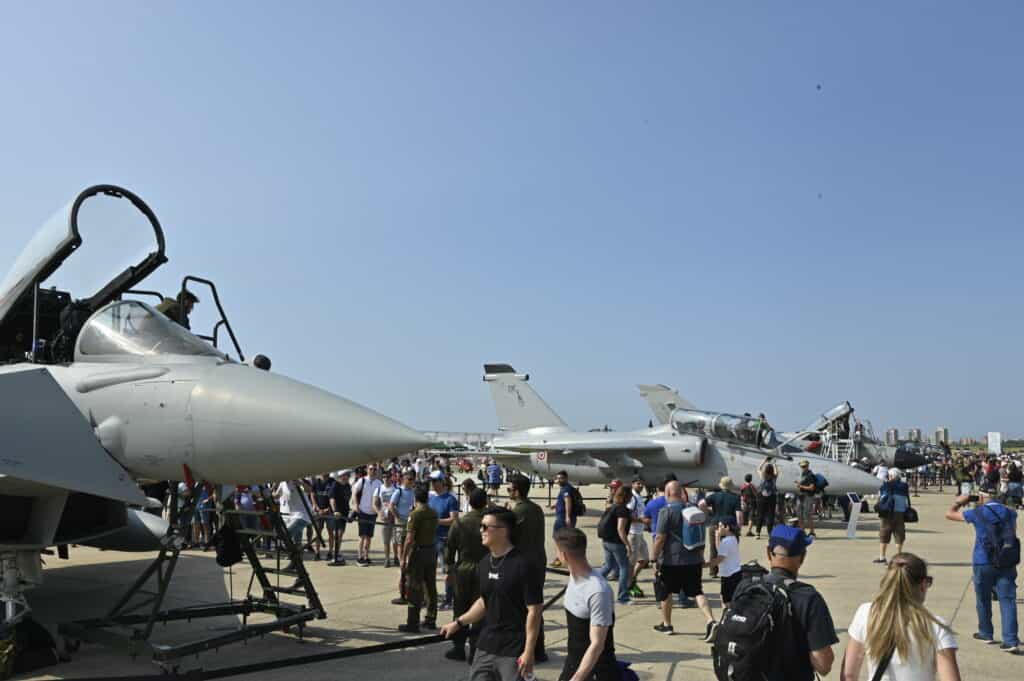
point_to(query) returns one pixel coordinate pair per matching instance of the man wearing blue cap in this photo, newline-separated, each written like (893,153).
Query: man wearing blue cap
(809,649)
(806,648)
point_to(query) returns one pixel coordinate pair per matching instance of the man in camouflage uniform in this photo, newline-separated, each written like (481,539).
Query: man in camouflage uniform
(529,537)
(179,308)
(463,553)
(420,564)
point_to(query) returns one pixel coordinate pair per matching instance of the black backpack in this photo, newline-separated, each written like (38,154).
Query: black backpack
(1002,545)
(578,507)
(227,547)
(750,632)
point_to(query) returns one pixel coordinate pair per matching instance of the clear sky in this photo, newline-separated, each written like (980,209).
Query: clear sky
(770,206)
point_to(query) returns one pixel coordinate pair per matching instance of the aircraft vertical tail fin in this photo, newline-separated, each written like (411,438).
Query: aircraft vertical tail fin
(518,406)
(663,400)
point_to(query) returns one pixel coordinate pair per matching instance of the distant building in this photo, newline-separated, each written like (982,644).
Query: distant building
(994,442)
(892,437)
(914,435)
(942,435)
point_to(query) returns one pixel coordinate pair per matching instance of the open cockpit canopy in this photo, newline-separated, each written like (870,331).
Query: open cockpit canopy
(32,317)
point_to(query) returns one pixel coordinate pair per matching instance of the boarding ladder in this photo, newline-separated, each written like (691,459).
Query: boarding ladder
(270,525)
(121,625)
(838,449)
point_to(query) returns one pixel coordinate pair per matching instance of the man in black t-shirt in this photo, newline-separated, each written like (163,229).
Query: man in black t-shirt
(509,605)
(805,648)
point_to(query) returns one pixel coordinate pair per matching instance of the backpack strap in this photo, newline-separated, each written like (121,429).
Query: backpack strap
(883,664)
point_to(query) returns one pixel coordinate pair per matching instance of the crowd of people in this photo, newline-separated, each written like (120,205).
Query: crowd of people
(490,554)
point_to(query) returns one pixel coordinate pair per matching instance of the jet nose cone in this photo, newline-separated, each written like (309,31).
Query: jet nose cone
(251,425)
(907,459)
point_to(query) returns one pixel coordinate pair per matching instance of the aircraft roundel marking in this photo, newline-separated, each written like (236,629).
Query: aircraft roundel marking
(541,455)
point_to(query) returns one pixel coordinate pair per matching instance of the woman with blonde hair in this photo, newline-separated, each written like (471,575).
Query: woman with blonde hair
(900,638)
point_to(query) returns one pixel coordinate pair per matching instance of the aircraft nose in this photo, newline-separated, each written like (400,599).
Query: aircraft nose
(907,459)
(251,425)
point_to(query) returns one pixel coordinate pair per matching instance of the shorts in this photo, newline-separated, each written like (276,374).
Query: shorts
(804,507)
(729,585)
(387,531)
(401,529)
(367,521)
(892,526)
(673,579)
(639,546)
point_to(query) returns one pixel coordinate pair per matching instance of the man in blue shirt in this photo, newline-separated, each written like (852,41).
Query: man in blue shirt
(986,575)
(565,510)
(446,506)
(494,478)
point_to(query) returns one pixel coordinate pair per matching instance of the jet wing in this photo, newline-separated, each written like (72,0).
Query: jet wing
(48,442)
(566,445)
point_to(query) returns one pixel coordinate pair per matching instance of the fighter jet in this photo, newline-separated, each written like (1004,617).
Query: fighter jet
(102,391)
(829,435)
(698,447)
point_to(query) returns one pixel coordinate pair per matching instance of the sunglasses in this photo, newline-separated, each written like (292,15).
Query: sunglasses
(929,580)
(484,527)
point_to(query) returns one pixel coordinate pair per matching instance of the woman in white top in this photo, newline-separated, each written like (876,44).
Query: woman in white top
(897,624)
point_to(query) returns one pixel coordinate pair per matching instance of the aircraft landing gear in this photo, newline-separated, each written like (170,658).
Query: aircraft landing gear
(12,591)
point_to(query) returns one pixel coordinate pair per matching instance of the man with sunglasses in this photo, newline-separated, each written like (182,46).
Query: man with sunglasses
(509,605)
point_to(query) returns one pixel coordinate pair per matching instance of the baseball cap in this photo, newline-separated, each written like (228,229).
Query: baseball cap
(804,463)
(615,484)
(793,539)
(347,471)
(637,478)
(437,475)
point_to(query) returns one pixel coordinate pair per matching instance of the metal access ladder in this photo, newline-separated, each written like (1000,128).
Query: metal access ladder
(121,626)
(838,449)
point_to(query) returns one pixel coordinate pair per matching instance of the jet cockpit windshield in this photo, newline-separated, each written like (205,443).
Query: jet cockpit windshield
(133,328)
(746,430)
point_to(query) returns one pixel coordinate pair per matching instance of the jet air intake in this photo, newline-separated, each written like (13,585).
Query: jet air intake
(685,451)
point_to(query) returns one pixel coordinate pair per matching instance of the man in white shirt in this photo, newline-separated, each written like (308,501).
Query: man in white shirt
(367,494)
(639,552)
(293,511)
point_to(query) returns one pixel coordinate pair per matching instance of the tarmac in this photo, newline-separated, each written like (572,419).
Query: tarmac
(357,601)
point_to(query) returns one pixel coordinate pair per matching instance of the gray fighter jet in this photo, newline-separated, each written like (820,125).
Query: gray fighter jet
(698,447)
(102,391)
(830,435)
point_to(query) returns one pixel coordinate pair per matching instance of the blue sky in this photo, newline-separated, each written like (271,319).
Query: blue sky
(390,194)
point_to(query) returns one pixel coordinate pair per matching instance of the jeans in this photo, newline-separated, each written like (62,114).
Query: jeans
(617,560)
(296,526)
(1004,581)
(440,543)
